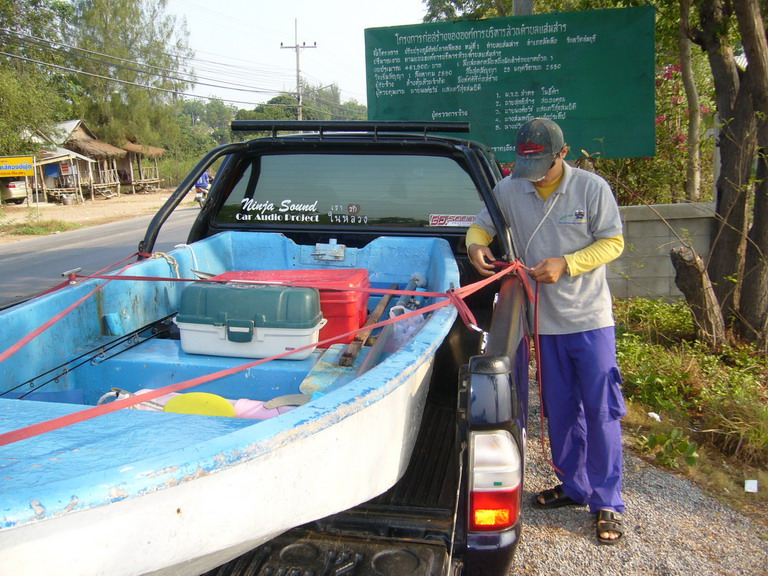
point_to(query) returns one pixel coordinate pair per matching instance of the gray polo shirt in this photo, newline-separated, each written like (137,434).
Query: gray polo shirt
(581,210)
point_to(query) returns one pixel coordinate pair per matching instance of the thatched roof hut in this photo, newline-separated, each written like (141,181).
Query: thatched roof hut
(75,135)
(134,172)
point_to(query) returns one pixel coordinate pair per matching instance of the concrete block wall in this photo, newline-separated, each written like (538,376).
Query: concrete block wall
(650,232)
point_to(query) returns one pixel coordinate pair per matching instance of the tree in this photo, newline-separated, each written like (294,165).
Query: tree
(133,57)
(194,109)
(439,10)
(324,103)
(737,265)
(283,107)
(318,103)
(353,110)
(218,116)
(29,92)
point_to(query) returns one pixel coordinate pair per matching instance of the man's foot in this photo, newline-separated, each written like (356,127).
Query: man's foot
(553,498)
(609,527)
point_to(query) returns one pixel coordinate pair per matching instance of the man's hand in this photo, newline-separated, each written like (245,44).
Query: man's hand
(481,258)
(549,270)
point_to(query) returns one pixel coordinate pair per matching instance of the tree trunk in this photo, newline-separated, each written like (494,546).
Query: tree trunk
(737,149)
(519,8)
(753,304)
(692,280)
(753,323)
(737,267)
(693,170)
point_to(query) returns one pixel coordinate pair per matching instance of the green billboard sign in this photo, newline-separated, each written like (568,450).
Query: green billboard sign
(591,72)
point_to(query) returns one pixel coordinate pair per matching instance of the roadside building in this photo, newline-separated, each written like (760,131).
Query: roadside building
(139,168)
(99,177)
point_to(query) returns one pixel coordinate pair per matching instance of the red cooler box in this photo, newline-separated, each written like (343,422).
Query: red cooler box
(344,309)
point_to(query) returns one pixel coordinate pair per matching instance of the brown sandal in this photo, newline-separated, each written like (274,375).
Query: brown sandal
(609,521)
(554,498)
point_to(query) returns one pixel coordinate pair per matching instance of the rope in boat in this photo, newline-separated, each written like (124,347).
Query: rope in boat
(171,261)
(453,297)
(119,276)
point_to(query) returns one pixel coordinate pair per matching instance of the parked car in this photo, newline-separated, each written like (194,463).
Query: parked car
(13,191)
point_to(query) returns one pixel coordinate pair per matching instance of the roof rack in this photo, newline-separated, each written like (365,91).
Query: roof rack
(323,126)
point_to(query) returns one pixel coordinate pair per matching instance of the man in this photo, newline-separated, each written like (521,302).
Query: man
(566,225)
(204,181)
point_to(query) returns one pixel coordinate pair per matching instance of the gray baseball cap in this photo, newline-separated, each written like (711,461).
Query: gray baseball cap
(538,142)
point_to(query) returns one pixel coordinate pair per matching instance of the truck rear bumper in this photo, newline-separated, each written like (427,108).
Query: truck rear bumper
(491,553)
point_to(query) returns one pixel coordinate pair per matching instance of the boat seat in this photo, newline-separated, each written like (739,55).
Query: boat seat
(327,374)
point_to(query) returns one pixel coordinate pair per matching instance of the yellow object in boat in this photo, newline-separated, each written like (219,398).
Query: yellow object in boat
(201,403)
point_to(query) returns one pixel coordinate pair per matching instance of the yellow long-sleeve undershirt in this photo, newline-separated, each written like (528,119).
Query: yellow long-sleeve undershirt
(600,252)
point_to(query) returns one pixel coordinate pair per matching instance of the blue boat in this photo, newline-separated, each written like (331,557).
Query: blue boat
(120,452)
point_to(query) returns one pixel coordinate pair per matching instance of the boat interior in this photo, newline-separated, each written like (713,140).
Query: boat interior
(124,339)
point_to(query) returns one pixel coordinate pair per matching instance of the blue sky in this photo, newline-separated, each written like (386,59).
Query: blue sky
(238,43)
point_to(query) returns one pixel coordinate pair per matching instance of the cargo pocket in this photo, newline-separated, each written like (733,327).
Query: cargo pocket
(616,407)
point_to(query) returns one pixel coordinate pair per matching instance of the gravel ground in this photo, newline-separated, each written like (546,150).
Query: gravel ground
(672,527)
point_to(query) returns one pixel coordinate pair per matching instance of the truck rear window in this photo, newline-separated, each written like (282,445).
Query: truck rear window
(353,190)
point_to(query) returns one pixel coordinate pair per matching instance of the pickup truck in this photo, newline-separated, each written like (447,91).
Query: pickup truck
(363,180)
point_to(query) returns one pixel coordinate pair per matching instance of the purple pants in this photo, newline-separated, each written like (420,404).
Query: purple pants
(583,403)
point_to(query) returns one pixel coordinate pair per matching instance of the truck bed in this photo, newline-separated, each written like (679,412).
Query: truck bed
(406,530)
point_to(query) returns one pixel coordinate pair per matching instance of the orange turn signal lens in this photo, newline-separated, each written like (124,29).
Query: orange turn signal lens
(494,510)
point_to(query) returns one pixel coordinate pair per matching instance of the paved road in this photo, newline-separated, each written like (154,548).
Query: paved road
(29,267)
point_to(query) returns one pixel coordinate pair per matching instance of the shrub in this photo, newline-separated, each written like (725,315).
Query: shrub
(720,398)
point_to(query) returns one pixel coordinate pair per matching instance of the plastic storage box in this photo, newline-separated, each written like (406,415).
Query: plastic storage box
(344,309)
(249,320)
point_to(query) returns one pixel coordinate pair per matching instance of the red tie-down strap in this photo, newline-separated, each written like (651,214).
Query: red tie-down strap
(534,298)
(454,296)
(73,276)
(451,297)
(42,328)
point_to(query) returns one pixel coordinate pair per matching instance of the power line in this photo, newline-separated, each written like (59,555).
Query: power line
(219,19)
(190,79)
(145,69)
(128,82)
(25,40)
(147,87)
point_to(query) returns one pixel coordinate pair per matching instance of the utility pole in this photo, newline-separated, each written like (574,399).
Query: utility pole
(298,49)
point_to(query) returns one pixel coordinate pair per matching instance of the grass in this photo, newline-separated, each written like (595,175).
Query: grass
(33,227)
(42,228)
(702,413)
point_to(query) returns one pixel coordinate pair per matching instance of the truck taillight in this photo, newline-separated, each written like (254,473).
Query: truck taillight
(495,481)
